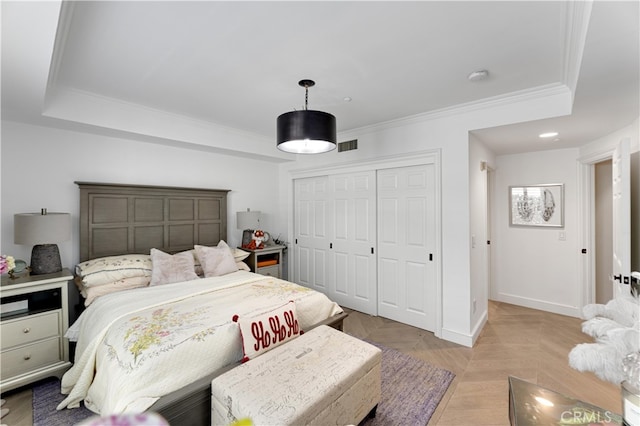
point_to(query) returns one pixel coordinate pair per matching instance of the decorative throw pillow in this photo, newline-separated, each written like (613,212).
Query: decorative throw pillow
(216,261)
(196,262)
(167,268)
(268,330)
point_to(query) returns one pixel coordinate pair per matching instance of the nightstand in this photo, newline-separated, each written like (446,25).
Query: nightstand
(34,319)
(266,261)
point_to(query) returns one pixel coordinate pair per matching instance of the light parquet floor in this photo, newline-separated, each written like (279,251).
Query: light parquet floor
(530,344)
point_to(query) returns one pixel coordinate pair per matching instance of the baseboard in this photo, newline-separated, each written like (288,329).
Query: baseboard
(542,305)
(459,338)
(479,326)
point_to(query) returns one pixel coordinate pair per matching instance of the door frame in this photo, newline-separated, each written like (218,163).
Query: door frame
(587,219)
(393,161)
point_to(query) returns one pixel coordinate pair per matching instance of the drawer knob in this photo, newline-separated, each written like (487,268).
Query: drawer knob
(27,357)
(26,330)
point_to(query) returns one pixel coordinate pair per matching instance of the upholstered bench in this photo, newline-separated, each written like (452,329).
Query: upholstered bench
(322,377)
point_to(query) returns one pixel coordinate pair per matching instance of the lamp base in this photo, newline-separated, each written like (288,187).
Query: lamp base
(45,259)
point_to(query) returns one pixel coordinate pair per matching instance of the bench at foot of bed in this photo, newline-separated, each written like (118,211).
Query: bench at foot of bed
(322,377)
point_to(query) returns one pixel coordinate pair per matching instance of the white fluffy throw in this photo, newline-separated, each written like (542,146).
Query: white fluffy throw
(615,328)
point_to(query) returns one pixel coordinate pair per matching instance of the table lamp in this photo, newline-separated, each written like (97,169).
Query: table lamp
(247,221)
(42,230)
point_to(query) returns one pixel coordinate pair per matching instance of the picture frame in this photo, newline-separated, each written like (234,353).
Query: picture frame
(536,205)
(246,237)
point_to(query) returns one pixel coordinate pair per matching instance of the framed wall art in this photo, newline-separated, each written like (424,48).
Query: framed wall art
(537,205)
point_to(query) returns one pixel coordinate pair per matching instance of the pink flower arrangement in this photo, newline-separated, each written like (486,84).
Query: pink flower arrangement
(7,263)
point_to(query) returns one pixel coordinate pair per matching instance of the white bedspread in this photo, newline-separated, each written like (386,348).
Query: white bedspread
(137,345)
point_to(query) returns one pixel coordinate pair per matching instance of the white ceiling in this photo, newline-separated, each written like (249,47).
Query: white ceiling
(237,64)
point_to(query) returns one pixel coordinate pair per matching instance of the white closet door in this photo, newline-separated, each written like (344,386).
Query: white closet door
(406,245)
(353,282)
(312,223)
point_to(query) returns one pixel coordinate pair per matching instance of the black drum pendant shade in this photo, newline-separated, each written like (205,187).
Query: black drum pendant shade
(306,131)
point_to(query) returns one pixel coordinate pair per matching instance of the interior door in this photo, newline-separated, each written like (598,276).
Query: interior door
(406,245)
(621,166)
(312,222)
(352,248)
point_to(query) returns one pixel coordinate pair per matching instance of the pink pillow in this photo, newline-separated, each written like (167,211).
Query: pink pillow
(266,331)
(216,261)
(167,269)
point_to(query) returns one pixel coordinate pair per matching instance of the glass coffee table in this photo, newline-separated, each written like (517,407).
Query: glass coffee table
(530,404)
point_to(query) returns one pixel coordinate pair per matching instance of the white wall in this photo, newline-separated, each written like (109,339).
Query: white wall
(533,266)
(449,132)
(40,166)
(43,163)
(478,219)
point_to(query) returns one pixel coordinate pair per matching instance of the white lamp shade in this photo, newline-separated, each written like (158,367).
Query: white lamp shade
(248,220)
(37,228)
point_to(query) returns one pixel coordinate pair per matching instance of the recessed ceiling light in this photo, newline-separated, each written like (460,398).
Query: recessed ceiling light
(347,99)
(478,75)
(548,135)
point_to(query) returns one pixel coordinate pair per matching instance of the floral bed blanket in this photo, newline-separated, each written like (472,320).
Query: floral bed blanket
(135,346)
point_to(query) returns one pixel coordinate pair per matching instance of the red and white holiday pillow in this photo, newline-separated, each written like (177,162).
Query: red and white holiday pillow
(268,330)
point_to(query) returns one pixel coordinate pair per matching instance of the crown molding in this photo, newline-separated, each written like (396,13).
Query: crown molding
(577,17)
(512,98)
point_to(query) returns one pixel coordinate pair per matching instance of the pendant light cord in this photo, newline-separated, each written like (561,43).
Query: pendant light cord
(306,97)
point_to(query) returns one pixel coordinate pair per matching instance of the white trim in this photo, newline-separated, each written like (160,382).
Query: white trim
(64,23)
(403,160)
(586,226)
(459,338)
(479,327)
(355,166)
(586,220)
(543,305)
(577,17)
(512,98)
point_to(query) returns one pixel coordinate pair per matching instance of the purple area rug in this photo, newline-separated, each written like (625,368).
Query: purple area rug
(411,390)
(46,397)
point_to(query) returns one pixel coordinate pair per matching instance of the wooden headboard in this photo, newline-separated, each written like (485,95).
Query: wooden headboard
(122,219)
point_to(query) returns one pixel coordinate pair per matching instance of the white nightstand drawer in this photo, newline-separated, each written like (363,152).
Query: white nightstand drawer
(28,329)
(272,271)
(30,357)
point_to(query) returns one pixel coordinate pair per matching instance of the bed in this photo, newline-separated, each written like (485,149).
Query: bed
(171,375)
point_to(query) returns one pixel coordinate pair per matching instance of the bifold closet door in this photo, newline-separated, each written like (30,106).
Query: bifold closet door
(353,281)
(406,245)
(312,222)
(335,236)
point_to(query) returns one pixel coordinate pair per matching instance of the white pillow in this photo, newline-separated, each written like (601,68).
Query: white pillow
(167,269)
(240,255)
(216,261)
(105,270)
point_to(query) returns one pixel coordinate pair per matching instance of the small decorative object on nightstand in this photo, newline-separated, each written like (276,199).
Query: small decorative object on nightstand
(266,261)
(34,317)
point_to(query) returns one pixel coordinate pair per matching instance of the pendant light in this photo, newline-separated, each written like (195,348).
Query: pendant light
(306,131)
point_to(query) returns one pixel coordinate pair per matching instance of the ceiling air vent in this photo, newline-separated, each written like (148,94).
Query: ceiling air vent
(348,145)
